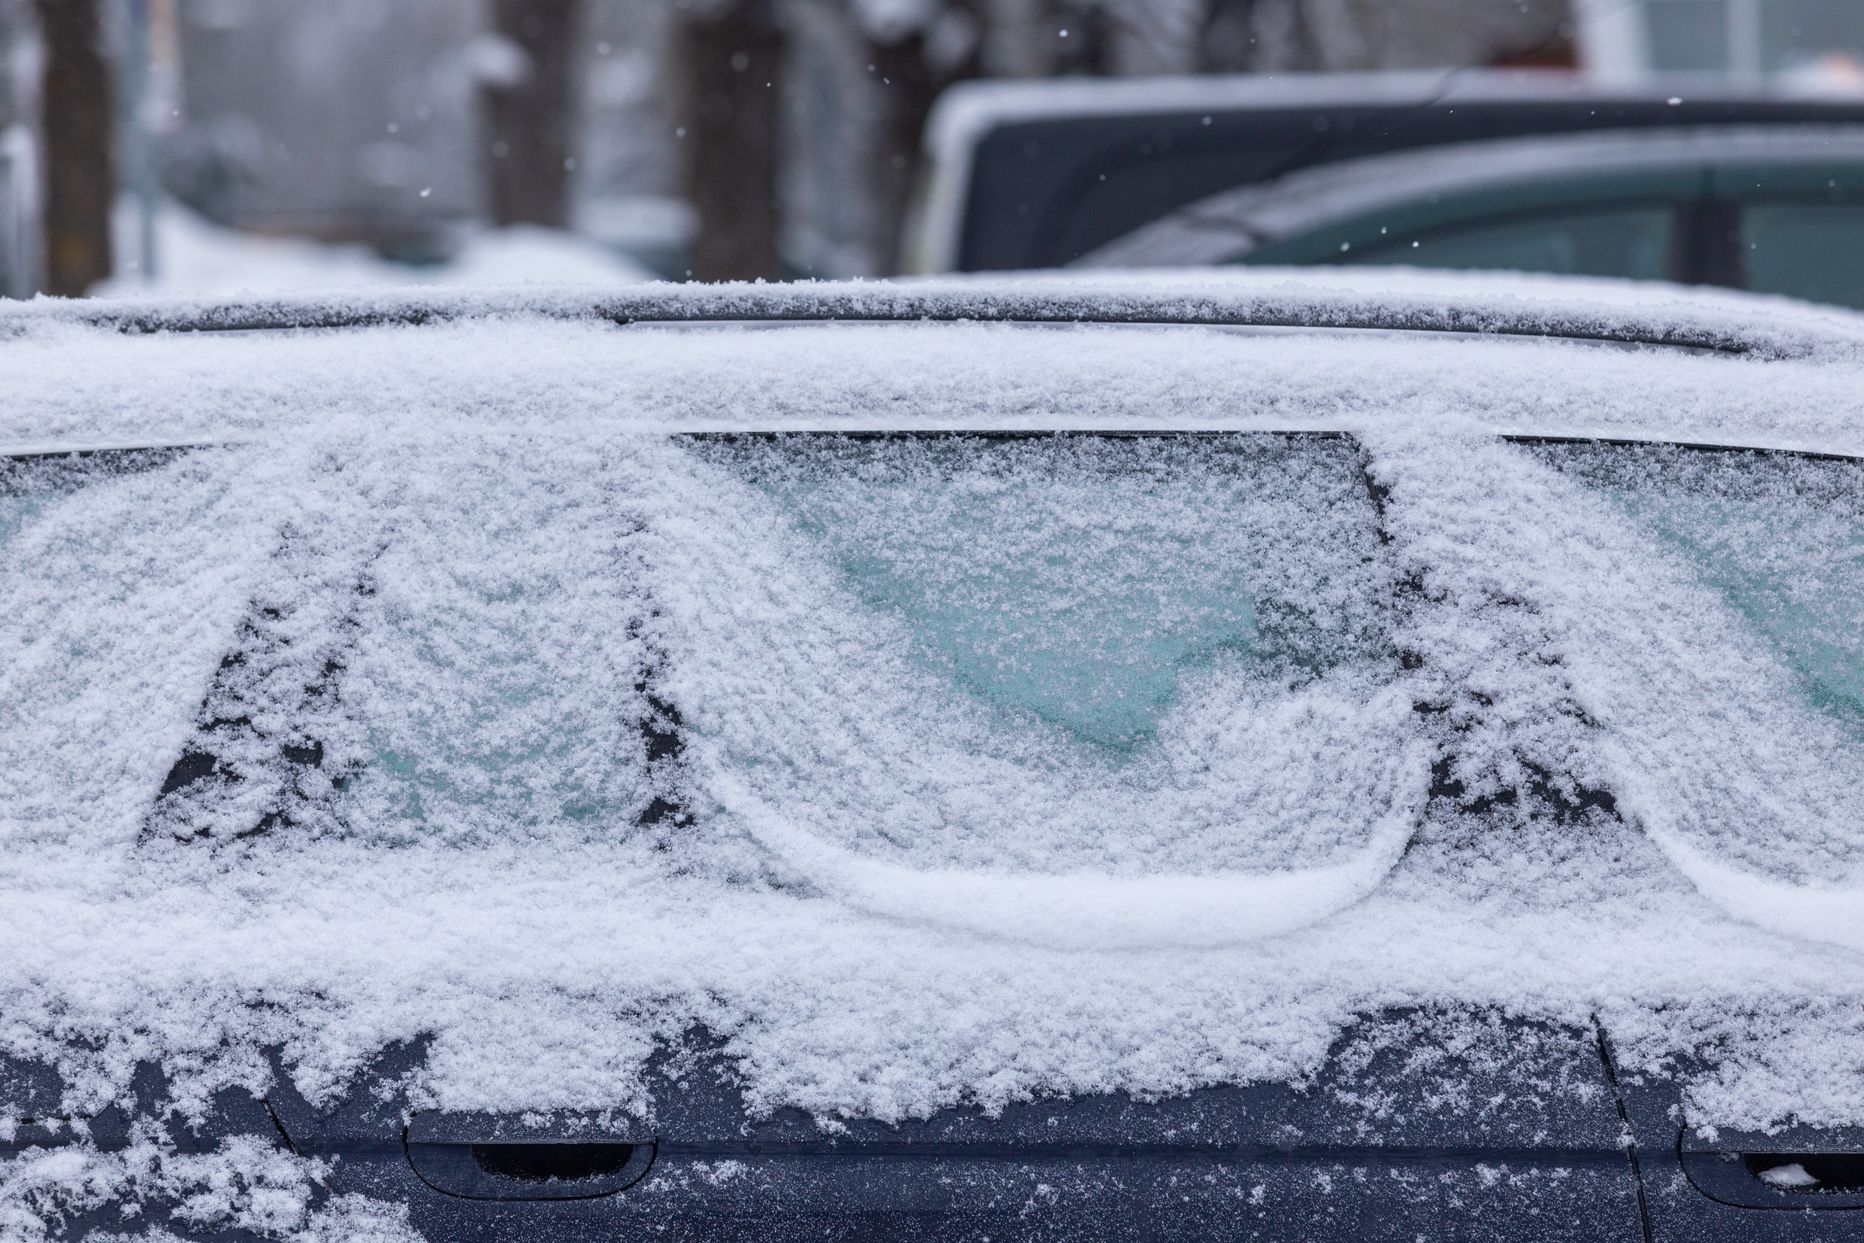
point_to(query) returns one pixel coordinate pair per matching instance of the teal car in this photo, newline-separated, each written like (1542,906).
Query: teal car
(1779,211)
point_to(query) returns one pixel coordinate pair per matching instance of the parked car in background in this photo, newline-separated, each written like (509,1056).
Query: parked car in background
(1198,759)
(1777,211)
(1038,174)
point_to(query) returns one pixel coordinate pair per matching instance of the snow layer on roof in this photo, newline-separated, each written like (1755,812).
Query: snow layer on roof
(472,549)
(1366,298)
(511,362)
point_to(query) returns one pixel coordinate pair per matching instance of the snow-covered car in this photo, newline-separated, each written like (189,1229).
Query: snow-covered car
(1775,210)
(1369,757)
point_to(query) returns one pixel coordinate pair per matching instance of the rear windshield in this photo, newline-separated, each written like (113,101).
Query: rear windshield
(118,593)
(1048,653)
(1778,536)
(1744,733)
(841,747)
(1052,653)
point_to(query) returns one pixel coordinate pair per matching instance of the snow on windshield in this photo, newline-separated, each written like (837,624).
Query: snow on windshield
(1076,658)
(1731,729)
(498,658)
(443,645)
(470,704)
(119,598)
(1750,747)
(1085,654)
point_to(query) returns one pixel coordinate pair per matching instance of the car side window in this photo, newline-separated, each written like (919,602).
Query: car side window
(1621,240)
(1805,250)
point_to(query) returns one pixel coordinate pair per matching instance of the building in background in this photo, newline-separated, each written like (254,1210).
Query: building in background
(379,121)
(1816,43)
(365,121)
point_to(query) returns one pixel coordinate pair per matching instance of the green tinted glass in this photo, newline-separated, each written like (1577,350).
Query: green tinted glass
(1632,242)
(1079,579)
(1805,250)
(1779,536)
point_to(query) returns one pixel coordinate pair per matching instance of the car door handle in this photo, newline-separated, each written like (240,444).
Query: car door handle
(530,1169)
(1790,1180)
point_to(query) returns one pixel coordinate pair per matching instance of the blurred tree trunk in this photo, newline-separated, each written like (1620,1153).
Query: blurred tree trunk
(530,111)
(910,72)
(1342,35)
(730,59)
(79,181)
(1162,36)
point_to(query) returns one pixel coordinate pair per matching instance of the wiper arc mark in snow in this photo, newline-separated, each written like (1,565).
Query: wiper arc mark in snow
(1076,904)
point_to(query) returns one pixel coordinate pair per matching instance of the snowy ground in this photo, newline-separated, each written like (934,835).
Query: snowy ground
(194,255)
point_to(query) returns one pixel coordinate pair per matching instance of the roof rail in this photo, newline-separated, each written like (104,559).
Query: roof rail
(1561,315)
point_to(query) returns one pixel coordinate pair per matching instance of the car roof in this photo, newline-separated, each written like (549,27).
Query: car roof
(1229,225)
(1262,348)
(1605,311)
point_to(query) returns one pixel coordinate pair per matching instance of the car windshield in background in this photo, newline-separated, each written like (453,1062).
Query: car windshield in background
(1749,208)
(1634,242)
